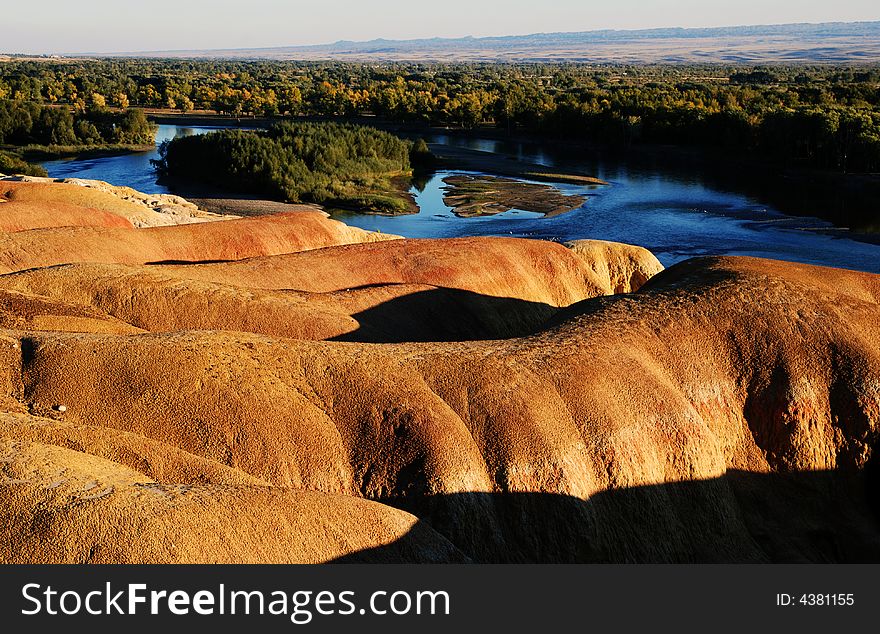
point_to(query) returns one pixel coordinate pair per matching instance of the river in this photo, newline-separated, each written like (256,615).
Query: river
(673,212)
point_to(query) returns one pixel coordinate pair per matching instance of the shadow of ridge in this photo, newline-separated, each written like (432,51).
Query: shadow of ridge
(448,314)
(420,545)
(180,262)
(740,517)
(692,276)
(695,273)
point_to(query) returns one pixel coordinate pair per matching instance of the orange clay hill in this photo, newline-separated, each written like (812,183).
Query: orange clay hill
(287,388)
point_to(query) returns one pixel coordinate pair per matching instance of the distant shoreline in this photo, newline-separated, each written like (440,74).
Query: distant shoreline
(57,153)
(46,153)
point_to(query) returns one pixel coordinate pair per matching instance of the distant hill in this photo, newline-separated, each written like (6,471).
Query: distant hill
(835,42)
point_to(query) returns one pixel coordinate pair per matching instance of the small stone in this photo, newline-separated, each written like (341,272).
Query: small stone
(61,408)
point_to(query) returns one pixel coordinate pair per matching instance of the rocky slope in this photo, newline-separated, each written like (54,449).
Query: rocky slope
(210,241)
(62,505)
(138,209)
(500,267)
(22,215)
(406,290)
(725,409)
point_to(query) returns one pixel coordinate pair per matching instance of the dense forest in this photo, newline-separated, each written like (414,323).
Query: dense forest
(30,123)
(340,165)
(814,116)
(31,131)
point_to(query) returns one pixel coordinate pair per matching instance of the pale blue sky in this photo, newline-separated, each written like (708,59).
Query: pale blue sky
(75,26)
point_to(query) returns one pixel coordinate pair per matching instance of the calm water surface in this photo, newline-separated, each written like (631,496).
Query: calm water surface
(673,213)
(132,170)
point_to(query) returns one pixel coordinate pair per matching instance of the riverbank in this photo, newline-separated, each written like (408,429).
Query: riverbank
(209,119)
(847,200)
(36,153)
(227,203)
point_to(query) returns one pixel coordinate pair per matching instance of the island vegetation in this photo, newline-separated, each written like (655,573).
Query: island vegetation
(337,165)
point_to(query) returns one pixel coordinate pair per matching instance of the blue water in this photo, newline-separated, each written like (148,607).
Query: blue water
(132,170)
(675,215)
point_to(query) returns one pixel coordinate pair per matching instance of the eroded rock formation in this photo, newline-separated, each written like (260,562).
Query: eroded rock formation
(136,208)
(727,410)
(405,290)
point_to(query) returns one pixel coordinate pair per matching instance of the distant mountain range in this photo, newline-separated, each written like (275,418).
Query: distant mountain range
(833,42)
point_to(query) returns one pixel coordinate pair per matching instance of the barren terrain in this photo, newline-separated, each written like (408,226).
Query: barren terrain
(827,43)
(289,389)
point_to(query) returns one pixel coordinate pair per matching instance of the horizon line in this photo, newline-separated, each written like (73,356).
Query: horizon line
(151,52)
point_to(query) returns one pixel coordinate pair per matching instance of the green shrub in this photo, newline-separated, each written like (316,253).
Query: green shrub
(11,164)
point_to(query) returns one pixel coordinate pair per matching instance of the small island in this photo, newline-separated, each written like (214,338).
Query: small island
(341,166)
(482,195)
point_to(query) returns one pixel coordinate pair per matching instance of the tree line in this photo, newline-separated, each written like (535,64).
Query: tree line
(817,116)
(29,123)
(31,131)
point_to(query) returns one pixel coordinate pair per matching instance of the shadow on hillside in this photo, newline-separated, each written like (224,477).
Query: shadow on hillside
(694,275)
(446,314)
(182,262)
(741,517)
